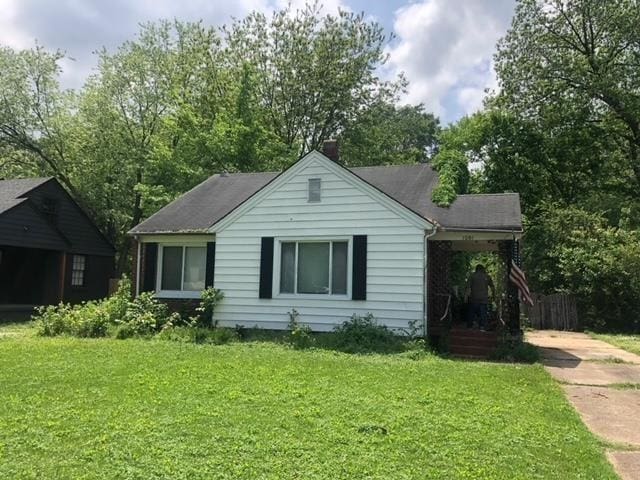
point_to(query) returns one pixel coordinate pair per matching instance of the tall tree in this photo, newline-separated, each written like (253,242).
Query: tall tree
(578,56)
(314,73)
(385,134)
(36,115)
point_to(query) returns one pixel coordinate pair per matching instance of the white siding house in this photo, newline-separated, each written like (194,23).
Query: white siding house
(346,207)
(319,238)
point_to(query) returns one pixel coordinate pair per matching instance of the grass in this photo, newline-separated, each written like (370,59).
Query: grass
(136,409)
(630,343)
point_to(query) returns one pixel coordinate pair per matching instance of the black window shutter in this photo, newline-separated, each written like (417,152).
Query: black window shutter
(359,268)
(211,264)
(150,267)
(266,267)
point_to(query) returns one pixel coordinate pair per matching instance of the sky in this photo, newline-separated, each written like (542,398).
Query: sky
(444,47)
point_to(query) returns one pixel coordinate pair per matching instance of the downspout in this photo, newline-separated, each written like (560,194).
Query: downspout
(425,275)
(138,266)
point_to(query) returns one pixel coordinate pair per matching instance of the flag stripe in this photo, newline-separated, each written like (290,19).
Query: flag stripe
(519,279)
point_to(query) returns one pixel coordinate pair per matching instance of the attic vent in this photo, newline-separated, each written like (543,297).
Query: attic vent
(314,190)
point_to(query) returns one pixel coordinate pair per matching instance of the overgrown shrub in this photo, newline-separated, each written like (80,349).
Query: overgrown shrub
(361,334)
(88,319)
(209,300)
(122,317)
(202,335)
(300,335)
(117,315)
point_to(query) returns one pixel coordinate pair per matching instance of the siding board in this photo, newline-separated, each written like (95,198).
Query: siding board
(394,264)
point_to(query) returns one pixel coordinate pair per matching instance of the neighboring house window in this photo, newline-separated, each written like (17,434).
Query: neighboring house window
(183,268)
(314,267)
(314,190)
(78,266)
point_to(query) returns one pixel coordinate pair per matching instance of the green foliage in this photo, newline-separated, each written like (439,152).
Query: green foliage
(385,134)
(362,334)
(577,57)
(191,334)
(117,315)
(451,166)
(314,72)
(231,412)
(630,343)
(573,250)
(300,335)
(209,300)
(457,149)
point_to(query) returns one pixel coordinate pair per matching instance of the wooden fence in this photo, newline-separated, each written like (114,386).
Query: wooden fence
(553,312)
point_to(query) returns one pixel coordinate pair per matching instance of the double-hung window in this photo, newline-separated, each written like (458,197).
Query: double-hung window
(182,268)
(78,266)
(314,267)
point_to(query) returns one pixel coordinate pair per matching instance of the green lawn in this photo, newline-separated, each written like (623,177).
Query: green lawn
(124,409)
(630,343)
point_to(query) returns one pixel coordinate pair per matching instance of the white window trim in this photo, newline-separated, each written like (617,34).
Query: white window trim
(176,293)
(311,296)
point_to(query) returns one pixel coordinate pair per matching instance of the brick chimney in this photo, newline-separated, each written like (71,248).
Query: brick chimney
(330,150)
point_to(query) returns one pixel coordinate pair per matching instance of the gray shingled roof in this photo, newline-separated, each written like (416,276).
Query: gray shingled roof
(12,190)
(410,185)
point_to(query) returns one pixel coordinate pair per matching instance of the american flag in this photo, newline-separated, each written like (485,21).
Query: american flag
(517,276)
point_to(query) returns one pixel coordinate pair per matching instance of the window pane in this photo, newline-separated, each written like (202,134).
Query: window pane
(313,267)
(314,190)
(77,270)
(171,268)
(287,267)
(339,268)
(195,263)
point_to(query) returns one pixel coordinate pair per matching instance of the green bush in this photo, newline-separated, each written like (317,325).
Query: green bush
(209,300)
(117,315)
(88,319)
(361,334)
(189,334)
(300,335)
(122,317)
(575,251)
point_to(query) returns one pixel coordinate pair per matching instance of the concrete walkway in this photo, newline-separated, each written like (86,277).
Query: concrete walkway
(602,382)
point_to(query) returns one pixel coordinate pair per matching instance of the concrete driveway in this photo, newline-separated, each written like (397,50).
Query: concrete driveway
(603,384)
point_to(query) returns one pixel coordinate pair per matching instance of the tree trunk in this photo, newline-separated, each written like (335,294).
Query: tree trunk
(124,252)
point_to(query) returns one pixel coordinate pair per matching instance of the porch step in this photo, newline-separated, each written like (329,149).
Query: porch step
(472,343)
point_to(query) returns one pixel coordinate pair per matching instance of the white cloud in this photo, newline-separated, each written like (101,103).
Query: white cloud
(80,27)
(10,33)
(445,49)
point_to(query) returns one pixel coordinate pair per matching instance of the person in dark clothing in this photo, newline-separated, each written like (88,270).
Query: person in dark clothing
(478,297)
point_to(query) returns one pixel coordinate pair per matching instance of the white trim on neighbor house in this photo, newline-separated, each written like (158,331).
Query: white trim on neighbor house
(177,294)
(341,172)
(277,257)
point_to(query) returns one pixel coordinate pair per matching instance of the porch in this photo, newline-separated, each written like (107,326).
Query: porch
(446,284)
(29,276)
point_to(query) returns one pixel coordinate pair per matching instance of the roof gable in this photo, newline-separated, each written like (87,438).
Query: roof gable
(74,227)
(316,158)
(409,186)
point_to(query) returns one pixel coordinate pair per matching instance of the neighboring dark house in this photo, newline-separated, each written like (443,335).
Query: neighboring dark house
(50,250)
